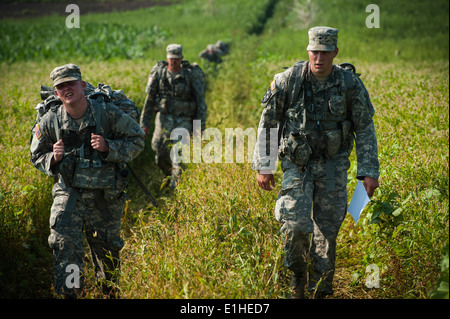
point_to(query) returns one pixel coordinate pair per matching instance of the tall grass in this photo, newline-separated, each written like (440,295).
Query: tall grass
(215,235)
(214,239)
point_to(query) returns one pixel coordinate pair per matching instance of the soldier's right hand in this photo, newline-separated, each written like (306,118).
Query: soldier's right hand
(146,131)
(265,181)
(58,152)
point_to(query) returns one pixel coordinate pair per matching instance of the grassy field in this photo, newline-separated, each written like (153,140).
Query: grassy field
(215,235)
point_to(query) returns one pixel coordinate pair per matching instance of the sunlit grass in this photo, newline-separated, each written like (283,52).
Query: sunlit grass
(215,236)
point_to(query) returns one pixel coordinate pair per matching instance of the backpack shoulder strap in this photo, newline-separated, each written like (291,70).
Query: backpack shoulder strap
(294,85)
(197,72)
(349,85)
(97,105)
(348,79)
(162,63)
(55,126)
(295,81)
(349,72)
(160,67)
(97,112)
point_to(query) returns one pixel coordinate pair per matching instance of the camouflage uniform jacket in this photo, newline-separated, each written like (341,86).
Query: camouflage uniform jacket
(179,96)
(122,133)
(332,105)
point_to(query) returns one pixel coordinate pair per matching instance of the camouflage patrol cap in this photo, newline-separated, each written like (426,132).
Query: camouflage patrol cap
(65,73)
(174,51)
(322,39)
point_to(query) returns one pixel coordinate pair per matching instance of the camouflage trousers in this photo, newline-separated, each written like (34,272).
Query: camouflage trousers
(102,231)
(162,145)
(311,217)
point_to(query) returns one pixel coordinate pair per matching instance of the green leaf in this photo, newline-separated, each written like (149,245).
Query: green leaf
(441,291)
(397,212)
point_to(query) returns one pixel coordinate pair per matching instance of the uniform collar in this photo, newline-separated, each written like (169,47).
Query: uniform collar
(179,74)
(333,79)
(68,124)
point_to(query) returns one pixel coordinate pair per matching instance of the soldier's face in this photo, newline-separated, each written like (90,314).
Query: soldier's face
(174,63)
(70,92)
(321,62)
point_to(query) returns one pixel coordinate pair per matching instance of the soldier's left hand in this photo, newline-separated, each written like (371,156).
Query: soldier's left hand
(98,143)
(370,184)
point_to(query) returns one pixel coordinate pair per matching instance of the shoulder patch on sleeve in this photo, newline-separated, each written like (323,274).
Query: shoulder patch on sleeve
(38,132)
(273,85)
(270,91)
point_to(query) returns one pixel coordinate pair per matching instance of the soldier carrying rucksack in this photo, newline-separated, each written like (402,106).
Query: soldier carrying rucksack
(321,111)
(176,93)
(214,52)
(84,144)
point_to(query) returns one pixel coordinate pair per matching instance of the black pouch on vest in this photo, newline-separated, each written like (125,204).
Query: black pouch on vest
(298,149)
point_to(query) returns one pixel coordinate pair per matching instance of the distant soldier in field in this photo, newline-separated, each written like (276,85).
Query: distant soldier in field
(214,52)
(176,93)
(322,110)
(84,144)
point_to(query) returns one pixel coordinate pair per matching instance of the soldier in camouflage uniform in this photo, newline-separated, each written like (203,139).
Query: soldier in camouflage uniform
(323,110)
(176,95)
(214,52)
(84,145)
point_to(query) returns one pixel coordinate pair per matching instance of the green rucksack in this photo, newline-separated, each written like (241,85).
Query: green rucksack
(117,97)
(51,102)
(197,71)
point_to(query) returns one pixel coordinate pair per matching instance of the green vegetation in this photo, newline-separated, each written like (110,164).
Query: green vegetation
(110,41)
(215,235)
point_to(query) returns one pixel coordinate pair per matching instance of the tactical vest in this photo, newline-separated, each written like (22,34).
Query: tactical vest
(324,128)
(175,93)
(311,131)
(82,166)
